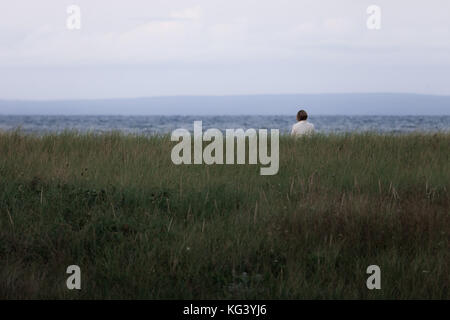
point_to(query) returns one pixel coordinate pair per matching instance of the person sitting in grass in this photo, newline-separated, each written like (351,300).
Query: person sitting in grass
(302,127)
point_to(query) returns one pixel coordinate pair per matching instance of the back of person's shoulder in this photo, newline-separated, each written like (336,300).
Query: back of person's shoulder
(297,125)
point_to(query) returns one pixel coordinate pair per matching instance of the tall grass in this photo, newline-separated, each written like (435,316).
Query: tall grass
(140,227)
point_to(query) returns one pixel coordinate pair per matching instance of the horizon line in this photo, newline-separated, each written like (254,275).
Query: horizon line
(224,115)
(220,95)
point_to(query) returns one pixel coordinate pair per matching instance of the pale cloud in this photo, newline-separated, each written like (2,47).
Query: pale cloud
(338,25)
(194,13)
(317,39)
(204,33)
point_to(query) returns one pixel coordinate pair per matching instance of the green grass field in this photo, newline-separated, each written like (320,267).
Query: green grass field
(141,227)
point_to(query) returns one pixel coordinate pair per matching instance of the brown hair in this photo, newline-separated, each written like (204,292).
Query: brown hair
(302,115)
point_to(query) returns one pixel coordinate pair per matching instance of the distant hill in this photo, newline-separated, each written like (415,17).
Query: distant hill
(319,104)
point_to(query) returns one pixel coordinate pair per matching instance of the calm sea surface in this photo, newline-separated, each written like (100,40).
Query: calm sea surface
(165,124)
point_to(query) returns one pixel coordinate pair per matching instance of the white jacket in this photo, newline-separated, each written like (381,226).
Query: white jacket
(302,128)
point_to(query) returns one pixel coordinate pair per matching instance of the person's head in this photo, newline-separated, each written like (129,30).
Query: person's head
(302,115)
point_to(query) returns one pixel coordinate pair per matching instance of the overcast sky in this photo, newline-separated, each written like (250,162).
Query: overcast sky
(138,48)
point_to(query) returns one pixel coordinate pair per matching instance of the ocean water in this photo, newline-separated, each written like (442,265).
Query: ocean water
(166,124)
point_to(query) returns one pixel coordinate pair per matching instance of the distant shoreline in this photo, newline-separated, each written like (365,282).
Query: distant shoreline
(264,104)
